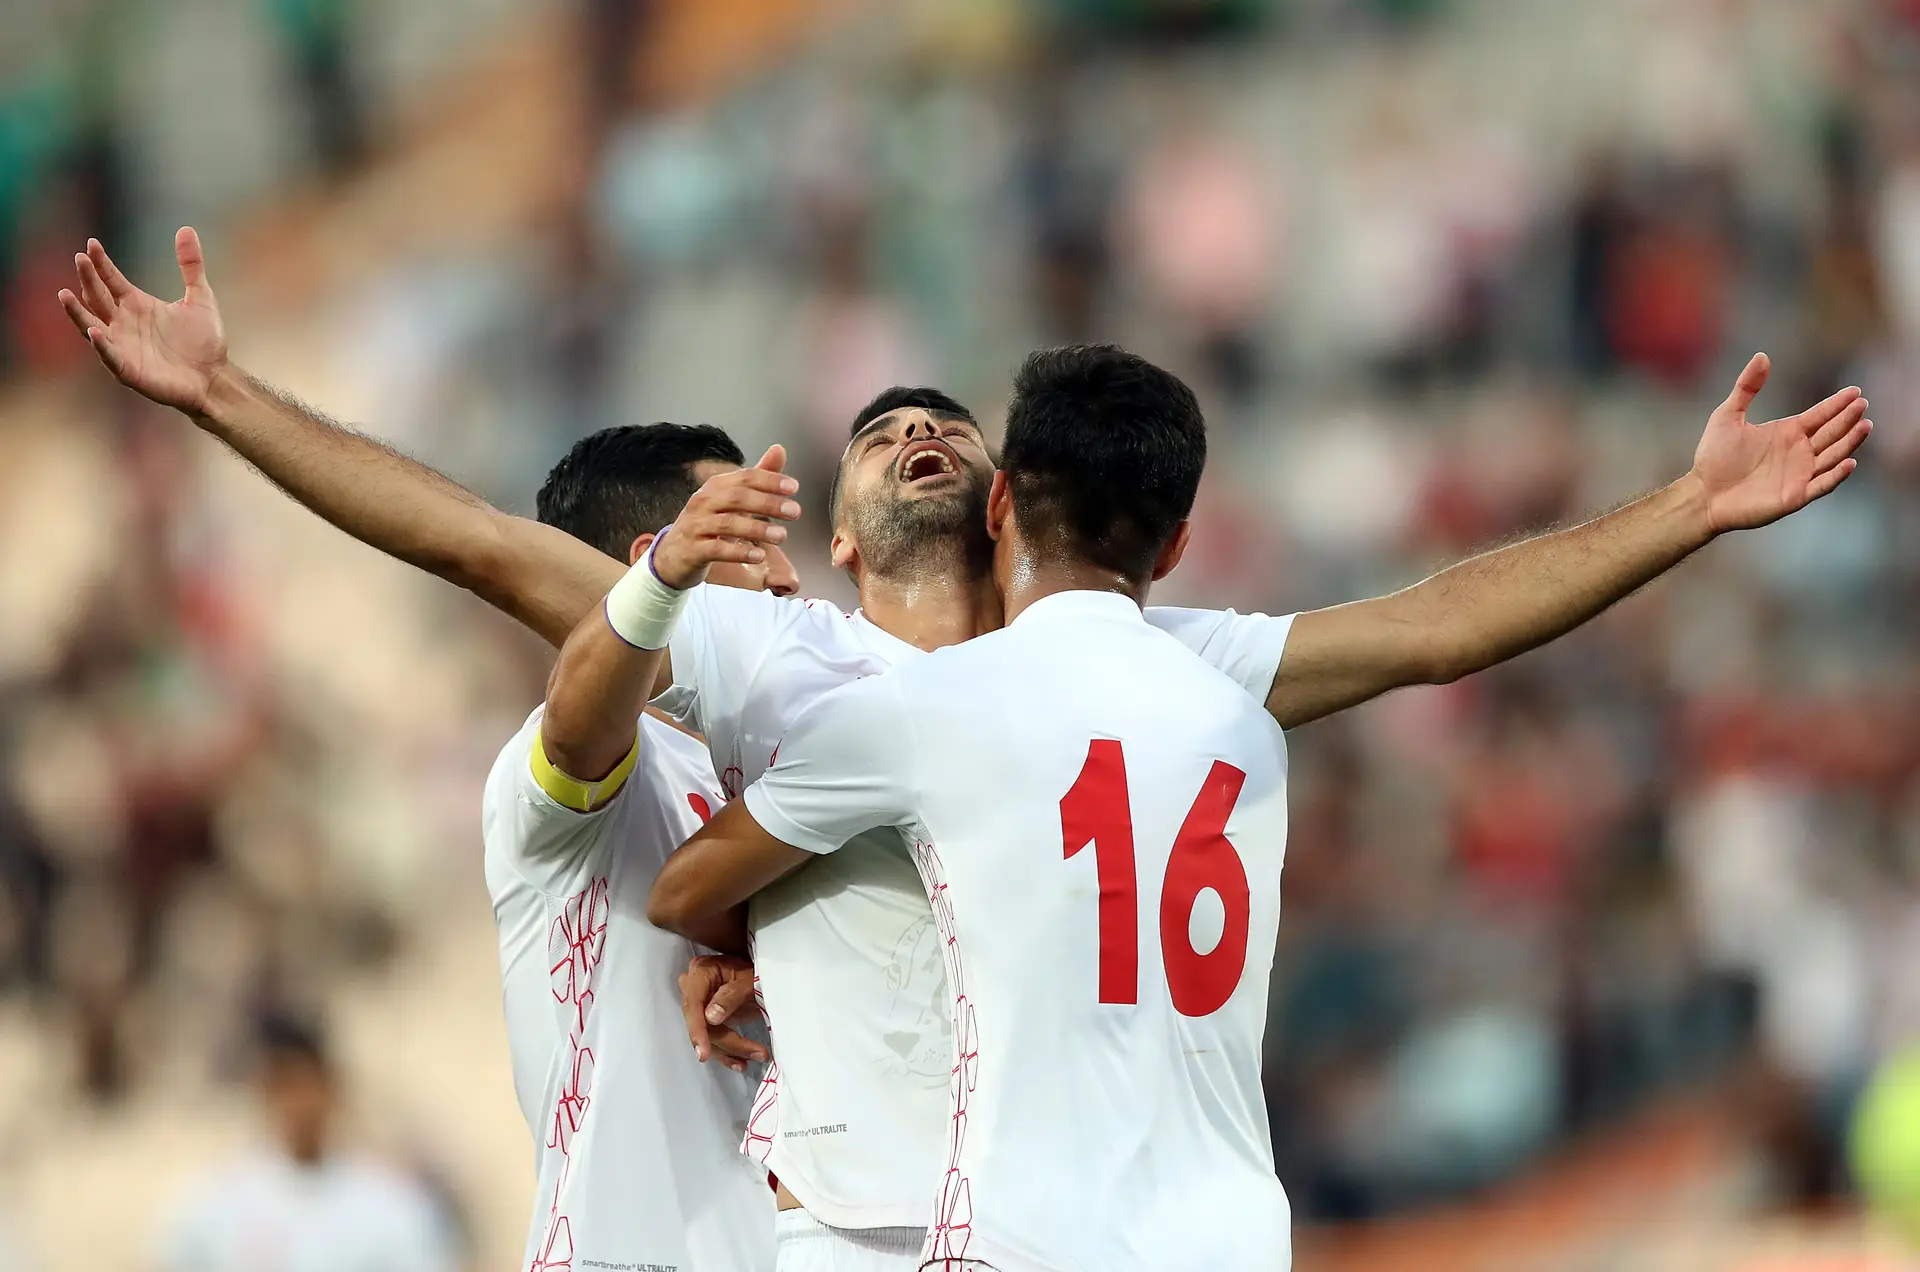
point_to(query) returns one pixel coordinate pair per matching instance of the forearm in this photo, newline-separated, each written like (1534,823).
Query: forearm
(702,889)
(1486,609)
(539,575)
(354,482)
(599,686)
(1494,606)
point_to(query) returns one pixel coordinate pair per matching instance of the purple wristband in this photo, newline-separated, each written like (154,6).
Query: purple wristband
(654,547)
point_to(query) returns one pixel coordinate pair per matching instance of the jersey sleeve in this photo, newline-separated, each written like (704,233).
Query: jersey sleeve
(846,766)
(719,642)
(1247,647)
(544,823)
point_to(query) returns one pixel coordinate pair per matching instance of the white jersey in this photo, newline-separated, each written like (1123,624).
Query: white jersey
(851,1116)
(268,1213)
(1100,819)
(634,1138)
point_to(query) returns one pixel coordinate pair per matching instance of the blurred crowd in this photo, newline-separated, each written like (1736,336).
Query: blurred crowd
(1443,271)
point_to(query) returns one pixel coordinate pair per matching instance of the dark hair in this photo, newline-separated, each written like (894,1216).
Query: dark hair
(932,401)
(1106,448)
(940,405)
(280,1037)
(620,483)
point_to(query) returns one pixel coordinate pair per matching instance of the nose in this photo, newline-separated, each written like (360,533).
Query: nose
(781,579)
(918,424)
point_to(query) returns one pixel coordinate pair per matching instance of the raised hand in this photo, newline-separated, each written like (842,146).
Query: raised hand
(727,519)
(1758,473)
(170,352)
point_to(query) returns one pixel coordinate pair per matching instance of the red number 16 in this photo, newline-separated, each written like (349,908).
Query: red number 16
(1096,811)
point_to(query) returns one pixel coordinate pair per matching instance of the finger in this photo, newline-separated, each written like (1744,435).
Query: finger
(1840,450)
(775,460)
(81,316)
(741,497)
(728,1042)
(732,525)
(728,1000)
(116,281)
(93,290)
(1748,386)
(193,264)
(693,1001)
(1825,482)
(725,551)
(103,345)
(1840,425)
(769,480)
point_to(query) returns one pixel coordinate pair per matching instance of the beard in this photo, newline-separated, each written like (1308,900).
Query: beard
(900,537)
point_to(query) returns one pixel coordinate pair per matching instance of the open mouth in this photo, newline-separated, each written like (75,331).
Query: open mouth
(926,460)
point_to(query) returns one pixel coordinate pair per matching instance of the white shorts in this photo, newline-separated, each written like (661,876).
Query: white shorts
(804,1244)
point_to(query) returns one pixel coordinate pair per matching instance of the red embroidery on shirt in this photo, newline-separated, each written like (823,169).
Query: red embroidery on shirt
(576,940)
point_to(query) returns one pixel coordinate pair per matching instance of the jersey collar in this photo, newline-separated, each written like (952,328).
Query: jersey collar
(1081,604)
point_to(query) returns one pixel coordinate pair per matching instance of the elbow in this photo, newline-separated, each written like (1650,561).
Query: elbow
(1440,657)
(483,565)
(669,905)
(576,751)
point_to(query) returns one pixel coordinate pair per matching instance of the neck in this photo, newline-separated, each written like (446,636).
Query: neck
(1029,581)
(931,609)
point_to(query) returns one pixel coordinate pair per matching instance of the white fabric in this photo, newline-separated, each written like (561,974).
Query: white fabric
(634,1139)
(1143,1142)
(807,1245)
(267,1213)
(641,609)
(852,1114)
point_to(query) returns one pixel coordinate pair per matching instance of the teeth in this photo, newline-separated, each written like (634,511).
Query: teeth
(918,466)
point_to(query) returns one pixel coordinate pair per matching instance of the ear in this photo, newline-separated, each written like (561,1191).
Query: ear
(1171,554)
(843,552)
(999,505)
(639,548)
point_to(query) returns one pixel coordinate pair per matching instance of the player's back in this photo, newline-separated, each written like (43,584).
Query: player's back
(1103,821)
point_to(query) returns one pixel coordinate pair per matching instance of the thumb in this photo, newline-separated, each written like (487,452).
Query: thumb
(1748,386)
(729,999)
(775,460)
(193,265)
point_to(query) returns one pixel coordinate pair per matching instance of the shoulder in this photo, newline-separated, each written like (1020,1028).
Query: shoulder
(736,609)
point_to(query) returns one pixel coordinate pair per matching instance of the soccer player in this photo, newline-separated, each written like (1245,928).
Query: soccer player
(1105,1104)
(854,1112)
(636,1144)
(301,1202)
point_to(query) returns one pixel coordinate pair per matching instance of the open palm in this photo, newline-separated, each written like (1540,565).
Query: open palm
(169,352)
(1758,473)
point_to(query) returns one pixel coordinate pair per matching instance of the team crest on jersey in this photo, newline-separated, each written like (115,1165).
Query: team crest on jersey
(919,1029)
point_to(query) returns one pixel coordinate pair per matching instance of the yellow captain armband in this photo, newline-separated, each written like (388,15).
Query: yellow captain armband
(571,792)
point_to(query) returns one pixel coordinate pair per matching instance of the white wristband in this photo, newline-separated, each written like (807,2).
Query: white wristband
(641,609)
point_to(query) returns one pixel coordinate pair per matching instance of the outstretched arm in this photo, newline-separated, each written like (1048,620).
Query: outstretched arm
(1491,607)
(176,354)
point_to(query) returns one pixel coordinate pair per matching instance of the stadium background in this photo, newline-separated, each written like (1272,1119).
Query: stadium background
(1585,961)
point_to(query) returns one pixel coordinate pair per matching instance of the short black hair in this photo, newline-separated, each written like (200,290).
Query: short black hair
(1105,448)
(620,483)
(280,1037)
(942,406)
